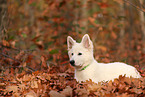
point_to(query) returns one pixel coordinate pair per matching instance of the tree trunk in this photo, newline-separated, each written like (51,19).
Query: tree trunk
(30,12)
(142,23)
(3,18)
(131,22)
(122,29)
(76,12)
(84,15)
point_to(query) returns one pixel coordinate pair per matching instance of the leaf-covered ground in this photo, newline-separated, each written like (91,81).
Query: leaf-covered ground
(32,74)
(26,73)
(18,79)
(56,84)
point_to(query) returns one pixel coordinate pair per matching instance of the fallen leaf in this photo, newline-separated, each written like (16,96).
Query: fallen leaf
(16,95)
(137,91)
(82,92)
(12,88)
(67,91)
(103,48)
(53,93)
(22,87)
(43,60)
(2,84)
(31,94)
(34,84)
(5,43)
(113,34)
(26,77)
(20,55)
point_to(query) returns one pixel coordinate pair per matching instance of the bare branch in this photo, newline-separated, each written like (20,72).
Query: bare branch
(134,5)
(9,57)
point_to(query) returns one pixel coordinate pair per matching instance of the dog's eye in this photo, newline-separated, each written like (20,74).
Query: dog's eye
(72,53)
(79,53)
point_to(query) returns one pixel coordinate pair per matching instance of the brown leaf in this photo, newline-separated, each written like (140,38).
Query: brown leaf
(113,34)
(103,5)
(22,87)
(5,43)
(127,80)
(67,91)
(53,93)
(43,60)
(121,86)
(124,95)
(103,48)
(16,95)
(94,86)
(115,82)
(40,44)
(26,77)
(92,21)
(82,92)
(20,55)
(12,88)
(31,94)
(29,58)
(2,84)
(137,91)
(34,84)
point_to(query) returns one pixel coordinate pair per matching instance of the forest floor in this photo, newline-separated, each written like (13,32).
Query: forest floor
(21,75)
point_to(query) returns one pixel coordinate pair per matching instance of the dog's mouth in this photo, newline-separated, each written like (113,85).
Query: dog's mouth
(77,66)
(72,62)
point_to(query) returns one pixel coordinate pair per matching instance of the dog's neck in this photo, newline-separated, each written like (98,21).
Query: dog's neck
(84,67)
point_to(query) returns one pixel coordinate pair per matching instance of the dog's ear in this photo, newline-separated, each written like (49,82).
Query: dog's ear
(70,42)
(87,43)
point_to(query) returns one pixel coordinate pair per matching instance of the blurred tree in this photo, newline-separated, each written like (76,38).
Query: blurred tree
(84,15)
(43,25)
(131,22)
(3,20)
(76,17)
(142,23)
(122,29)
(30,11)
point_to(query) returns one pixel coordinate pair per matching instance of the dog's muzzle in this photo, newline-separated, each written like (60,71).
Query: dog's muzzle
(72,62)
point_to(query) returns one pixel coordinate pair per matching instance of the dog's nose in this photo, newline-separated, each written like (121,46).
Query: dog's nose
(72,62)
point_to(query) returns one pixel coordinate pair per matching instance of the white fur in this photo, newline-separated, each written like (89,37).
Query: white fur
(95,71)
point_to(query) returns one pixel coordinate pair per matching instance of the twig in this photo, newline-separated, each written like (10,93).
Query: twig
(9,47)
(134,5)
(7,81)
(10,57)
(31,69)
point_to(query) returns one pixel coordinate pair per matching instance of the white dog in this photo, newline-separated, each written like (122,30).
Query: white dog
(86,67)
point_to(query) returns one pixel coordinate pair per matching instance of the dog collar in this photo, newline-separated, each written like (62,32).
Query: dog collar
(84,67)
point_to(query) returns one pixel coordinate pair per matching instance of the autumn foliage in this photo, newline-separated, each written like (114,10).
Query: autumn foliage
(55,83)
(33,50)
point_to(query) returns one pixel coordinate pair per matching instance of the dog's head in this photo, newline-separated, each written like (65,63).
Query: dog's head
(80,54)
